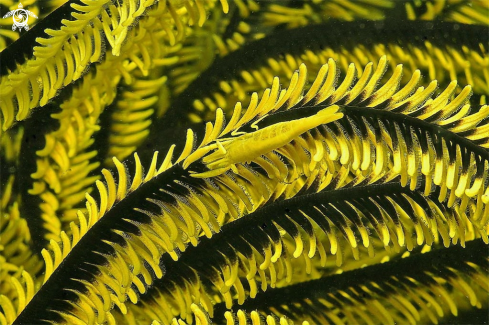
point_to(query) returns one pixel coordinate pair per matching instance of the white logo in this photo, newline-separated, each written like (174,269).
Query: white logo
(20,17)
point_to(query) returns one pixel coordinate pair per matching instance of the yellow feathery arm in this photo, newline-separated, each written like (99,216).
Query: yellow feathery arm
(419,288)
(66,55)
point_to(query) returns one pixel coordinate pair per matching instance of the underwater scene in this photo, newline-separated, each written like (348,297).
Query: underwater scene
(248,162)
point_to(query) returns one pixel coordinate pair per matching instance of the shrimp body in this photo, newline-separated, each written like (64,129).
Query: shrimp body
(247,147)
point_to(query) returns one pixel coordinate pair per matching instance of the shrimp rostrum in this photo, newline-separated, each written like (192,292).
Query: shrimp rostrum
(228,152)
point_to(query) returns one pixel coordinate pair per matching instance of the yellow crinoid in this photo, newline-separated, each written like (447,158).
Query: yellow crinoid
(318,168)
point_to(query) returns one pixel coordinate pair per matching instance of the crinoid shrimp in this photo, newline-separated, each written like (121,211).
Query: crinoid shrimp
(245,148)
